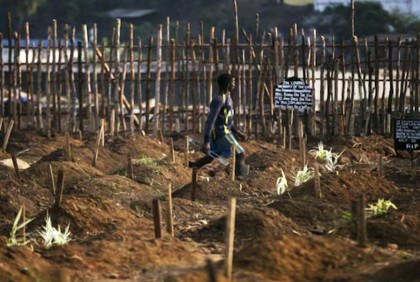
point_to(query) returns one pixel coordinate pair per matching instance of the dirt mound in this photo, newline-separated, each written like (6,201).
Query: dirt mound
(16,192)
(401,272)
(295,258)
(118,189)
(88,217)
(17,265)
(73,173)
(250,225)
(113,235)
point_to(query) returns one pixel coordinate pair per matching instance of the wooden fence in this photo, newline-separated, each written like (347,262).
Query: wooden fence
(166,82)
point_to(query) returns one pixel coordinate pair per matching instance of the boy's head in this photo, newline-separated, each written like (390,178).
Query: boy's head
(226,82)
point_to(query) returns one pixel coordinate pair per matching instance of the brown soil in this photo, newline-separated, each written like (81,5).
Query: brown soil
(289,237)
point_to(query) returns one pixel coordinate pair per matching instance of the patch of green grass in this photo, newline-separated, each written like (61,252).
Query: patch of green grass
(146,161)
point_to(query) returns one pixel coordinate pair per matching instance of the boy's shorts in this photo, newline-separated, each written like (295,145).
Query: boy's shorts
(222,145)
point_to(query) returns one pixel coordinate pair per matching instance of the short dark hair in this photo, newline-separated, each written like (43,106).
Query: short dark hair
(223,81)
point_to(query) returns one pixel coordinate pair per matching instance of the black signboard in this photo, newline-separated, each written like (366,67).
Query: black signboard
(407,134)
(293,93)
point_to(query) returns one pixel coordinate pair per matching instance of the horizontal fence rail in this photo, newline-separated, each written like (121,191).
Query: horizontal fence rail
(164,83)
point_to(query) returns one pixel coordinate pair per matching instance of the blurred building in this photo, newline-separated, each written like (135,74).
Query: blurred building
(402,6)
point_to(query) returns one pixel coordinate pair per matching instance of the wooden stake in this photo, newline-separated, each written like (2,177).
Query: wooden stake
(52,180)
(97,144)
(318,191)
(361,220)
(60,186)
(103,132)
(161,139)
(15,165)
(169,216)
(211,270)
(230,239)
(187,150)
(232,163)
(67,147)
(8,132)
(302,144)
(130,167)
(193,184)
(172,150)
(157,218)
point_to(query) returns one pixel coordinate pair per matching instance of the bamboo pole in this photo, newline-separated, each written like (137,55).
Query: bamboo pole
(15,165)
(16,87)
(148,81)
(376,102)
(193,88)
(99,137)
(132,78)
(194,184)
(29,81)
(211,66)
(139,86)
(157,218)
(7,136)
(361,219)
(391,77)
(73,94)
(54,76)
(173,77)
(156,115)
(59,88)
(322,86)
(172,151)
(169,215)
(67,67)
(60,187)
(130,171)
(121,93)
(313,79)
(10,63)
(95,91)
(232,163)
(80,84)
(117,91)
(53,188)
(167,75)
(318,191)
(230,238)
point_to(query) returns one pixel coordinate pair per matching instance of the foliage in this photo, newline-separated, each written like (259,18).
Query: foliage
(146,161)
(302,176)
(347,216)
(13,239)
(281,184)
(326,157)
(321,154)
(52,236)
(381,207)
(370,18)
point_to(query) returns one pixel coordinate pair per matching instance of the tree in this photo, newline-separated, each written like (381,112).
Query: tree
(21,9)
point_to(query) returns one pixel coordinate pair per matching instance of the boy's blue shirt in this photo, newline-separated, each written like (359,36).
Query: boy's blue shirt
(220,118)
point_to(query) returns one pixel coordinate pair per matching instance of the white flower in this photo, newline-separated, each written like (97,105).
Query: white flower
(52,236)
(281,184)
(303,176)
